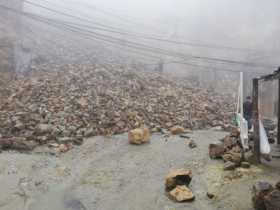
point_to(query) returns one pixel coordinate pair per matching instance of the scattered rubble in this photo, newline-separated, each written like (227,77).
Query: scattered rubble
(266,197)
(79,101)
(176,185)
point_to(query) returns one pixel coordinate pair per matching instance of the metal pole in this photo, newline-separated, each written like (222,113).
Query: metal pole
(241,94)
(278,129)
(256,135)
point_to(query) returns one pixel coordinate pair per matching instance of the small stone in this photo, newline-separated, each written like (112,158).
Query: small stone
(277,185)
(43,129)
(228,166)
(63,148)
(235,133)
(192,144)
(19,125)
(245,165)
(227,157)
(229,142)
(184,136)
(181,194)
(65,140)
(178,177)
(210,195)
(78,140)
(176,130)
(139,136)
(83,102)
(55,145)
(89,132)
(217,128)
(236,158)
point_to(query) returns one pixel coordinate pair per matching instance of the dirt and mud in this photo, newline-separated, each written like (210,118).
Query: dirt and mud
(107,173)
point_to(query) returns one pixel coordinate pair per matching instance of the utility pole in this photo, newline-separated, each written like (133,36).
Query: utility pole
(278,121)
(257,153)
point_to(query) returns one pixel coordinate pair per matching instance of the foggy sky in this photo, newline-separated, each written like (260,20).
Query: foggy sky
(246,23)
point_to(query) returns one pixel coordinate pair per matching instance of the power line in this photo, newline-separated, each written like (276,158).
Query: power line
(71,29)
(192,56)
(143,36)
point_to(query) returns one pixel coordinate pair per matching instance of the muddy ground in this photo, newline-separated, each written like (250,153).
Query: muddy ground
(109,174)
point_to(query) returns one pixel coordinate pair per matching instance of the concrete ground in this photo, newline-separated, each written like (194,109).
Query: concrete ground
(110,174)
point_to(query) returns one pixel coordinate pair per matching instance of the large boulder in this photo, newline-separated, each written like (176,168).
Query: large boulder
(139,136)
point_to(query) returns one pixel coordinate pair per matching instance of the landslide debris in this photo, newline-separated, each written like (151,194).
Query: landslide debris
(73,102)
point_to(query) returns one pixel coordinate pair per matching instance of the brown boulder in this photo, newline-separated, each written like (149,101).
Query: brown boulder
(176,130)
(272,200)
(260,190)
(178,177)
(229,142)
(181,194)
(139,136)
(216,150)
(236,158)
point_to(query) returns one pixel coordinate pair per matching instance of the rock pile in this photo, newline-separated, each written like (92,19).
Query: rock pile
(229,149)
(81,101)
(265,196)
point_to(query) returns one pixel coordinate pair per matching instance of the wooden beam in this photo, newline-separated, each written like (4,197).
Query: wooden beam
(256,135)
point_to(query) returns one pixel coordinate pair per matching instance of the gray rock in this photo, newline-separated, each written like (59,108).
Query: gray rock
(65,140)
(42,129)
